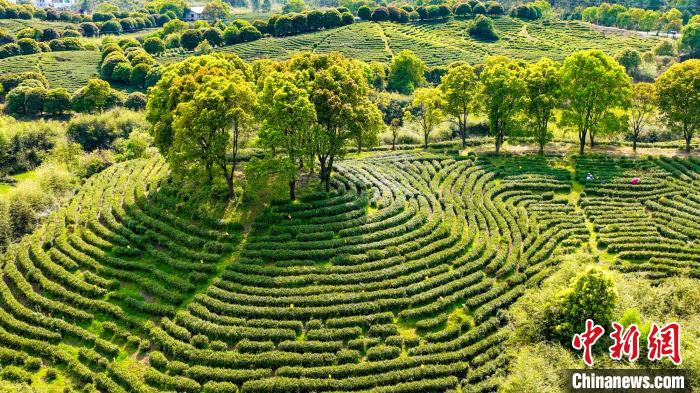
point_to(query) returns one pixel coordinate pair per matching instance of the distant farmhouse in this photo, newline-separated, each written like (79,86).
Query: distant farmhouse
(193,13)
(57,4)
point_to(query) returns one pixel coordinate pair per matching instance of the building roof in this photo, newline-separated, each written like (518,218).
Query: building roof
(196,10)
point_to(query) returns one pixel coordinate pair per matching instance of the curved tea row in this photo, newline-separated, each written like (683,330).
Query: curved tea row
(397,281)
(394,282)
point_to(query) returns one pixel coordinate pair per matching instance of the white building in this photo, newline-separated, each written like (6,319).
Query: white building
(193,13)
(57,4)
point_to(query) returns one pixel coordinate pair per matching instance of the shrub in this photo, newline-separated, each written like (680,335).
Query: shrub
(214,36)
(34,101)
(89,29)
(332,18)
(462,9)
(231,35)
(9,50)
(478,9)
(494,8)
(49,34)
(121,72)
(135,101)
(137,78)
(199,341)
(111,27)
(154,45)
(591,295)
(65,44)
(482,28)
(249,33)
(28,46)
(349,19)
(665,48)
(99,131)
(364,12)
(57,101)
(190,39)
(380,14)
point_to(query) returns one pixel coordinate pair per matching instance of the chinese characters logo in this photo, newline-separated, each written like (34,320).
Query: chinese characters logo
(663,342)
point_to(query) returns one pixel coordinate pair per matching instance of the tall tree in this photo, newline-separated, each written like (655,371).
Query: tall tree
(679,98)
(427,110)
(543,84)
(288,118)
(200,111)
(690,41)
(216,10)
(460,87)
(210,128)
(643,104)
(593,84)
(340,93)
(395,126)
(406,72)
(503,92)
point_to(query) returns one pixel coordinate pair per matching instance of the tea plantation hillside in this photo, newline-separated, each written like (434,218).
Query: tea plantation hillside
(397,281)
(441,43)
(69,69)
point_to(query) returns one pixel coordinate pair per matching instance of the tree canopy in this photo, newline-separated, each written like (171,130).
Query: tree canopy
(679,98)
(460,87)
(503,92)
(594,85)
(406,72)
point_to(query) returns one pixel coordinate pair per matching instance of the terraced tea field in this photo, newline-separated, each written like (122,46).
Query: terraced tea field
(397,281)
(69,69)
(14,26)
(441,43)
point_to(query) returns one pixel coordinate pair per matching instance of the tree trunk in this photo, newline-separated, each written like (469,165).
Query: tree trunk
(425,140)
(230,187)
(359,145)
(393,143)
(210,175)
(590,136)
(322,171)
(634,143)
(329,169)
(688,136)
(498,142)
(582,141)
(541,152)
(293,189)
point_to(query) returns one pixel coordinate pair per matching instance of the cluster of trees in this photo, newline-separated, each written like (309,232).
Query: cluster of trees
(531,11)
(310,107)
(28,94)
(28,11)
(59,153)
(407,13)
(690,41)
(31,40)
(125,61)
(109,22)
(301,22)
(592,91)
(179,34)
(203,109)
(633,18)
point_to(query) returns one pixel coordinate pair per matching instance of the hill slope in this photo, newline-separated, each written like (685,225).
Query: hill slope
(441,43)
(397,281)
